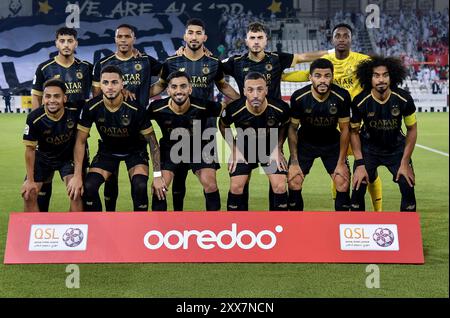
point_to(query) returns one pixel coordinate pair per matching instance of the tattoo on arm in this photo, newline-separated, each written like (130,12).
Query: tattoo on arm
(154,151)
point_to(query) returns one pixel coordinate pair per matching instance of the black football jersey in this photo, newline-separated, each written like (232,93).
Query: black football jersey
(319,118)
(120,130)
(136,71)
(203,72)
(382,121)
(54,138)
(272,66)
(77,77)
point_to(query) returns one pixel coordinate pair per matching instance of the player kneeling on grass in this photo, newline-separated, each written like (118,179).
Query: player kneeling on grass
(319,108)
(183,115)
(121,126)
(380,140)
(49,137)
(261,127)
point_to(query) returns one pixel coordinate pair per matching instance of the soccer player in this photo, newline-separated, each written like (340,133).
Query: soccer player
(345,62)
(49,137)
(205,73)
(77,76)
(183,111)
(120,125)
(380,140)
(319,108)
(137,71)
(270,64)
(256,116)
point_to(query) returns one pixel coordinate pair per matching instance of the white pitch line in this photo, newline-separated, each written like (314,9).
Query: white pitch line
(432,150)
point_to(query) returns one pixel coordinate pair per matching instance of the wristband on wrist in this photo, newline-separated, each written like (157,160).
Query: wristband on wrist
(157,174)
(359,162)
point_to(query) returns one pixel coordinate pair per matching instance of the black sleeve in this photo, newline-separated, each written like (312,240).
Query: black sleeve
(30,133)
(213,109)
(295,109)
(286,60)
(38,81)
(220,75)
(225,117)
(410,107)
(164,73)
(228,66)
(96,73)
(356,116)
(155,66)
(86,117)
(344,110)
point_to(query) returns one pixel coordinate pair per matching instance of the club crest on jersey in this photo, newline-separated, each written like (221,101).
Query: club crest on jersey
(269,67)
(125,120)
(138,67)
(271,122)
(79,75)
(70,124)
(395,111)
(333,109)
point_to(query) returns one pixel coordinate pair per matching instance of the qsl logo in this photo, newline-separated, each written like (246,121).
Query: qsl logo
(383,237)
(73,237)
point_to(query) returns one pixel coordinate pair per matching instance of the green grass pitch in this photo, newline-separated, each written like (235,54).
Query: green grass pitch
(242,280)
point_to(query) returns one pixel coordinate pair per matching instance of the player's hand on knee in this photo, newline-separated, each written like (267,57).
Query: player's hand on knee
(128,95)
(280,160)
(406,171)
(159,187)
(342,171)
(75,188)
(294,171)
(359,177)
(235,157)
(29,188)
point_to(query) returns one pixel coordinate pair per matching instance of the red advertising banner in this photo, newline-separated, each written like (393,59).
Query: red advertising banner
(127,237)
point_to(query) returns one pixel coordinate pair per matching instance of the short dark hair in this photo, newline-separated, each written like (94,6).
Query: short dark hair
(322,64)
(196,21)
(256,27)
(128,26)
(66,31)
(342,25)
(255,76)
(177,74)
(396,69)
(55,82)
(111,69)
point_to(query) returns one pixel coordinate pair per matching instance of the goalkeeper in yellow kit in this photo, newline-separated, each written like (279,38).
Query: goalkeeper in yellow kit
(345,62)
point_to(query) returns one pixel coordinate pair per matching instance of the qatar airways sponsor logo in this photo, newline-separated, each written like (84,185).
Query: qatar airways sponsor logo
(207,239)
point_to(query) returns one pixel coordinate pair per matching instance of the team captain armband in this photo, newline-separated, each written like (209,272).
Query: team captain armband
(82,128)
(410,120)
(344,119)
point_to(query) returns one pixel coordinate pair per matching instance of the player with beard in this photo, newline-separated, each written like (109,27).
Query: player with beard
(182,112)
(318,108)
(345,62)
(77,76)
(256,116)
(205,72)
(270,64)
(380,140)
(120,125)
(137,70)
(49,137)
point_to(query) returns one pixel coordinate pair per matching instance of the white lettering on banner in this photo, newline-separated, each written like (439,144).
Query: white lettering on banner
(369,237)
(207,239)
(58,237)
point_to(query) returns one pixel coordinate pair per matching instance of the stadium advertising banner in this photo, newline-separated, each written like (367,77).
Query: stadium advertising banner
(124,237)
(27,28)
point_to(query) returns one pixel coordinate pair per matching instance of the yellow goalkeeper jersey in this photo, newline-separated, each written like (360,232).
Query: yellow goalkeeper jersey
(344,72)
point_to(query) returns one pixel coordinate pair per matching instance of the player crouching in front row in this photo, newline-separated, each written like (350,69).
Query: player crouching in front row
(380,141)
(121,126)
(49,137)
